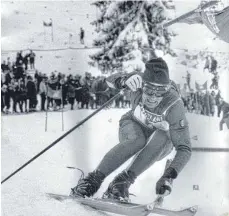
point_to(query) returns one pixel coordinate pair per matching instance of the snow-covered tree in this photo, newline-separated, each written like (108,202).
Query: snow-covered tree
(128,31)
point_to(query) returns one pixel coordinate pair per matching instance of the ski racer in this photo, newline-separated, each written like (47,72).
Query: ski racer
(155,124)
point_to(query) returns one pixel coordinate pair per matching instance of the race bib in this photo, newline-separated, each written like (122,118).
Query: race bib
(145,117)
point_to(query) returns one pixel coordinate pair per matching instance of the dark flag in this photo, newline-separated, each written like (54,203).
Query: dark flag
(201,87)
(47,24)
(217,22)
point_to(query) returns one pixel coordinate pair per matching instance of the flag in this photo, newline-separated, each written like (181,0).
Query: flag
(201,87)
(54,94)
(216,22)
(184,63)
(47,24)
(195,18)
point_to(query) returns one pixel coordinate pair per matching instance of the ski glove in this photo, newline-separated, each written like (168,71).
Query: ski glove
(164,184)
(134,82)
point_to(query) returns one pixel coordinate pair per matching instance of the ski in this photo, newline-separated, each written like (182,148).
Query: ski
(124,208)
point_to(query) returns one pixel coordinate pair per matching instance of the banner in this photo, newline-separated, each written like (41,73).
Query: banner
(54,94)
(201,87)
(217,22)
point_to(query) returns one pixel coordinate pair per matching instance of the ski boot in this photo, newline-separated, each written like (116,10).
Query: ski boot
(119,187)
(89,185)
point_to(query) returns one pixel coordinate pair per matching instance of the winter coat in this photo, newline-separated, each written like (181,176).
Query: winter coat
(212,103)
(42,88)
(31,89)
(225,109)
(71,90)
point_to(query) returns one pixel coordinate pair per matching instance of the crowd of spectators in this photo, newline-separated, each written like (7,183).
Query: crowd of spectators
(22,92)
(54,92)
(211,65)
(203,102)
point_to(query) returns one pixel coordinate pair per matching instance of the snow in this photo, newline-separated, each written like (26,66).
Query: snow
(24,193)
(23,136)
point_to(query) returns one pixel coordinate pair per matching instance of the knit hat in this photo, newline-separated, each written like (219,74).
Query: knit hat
(156,71)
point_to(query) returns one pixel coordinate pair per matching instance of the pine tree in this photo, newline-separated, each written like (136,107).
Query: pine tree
(126,30)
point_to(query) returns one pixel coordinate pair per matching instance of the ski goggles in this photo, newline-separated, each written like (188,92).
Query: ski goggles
(153,89)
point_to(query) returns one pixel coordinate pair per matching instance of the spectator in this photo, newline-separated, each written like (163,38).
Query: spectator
(212,103)
(32,56)
(188,80)
(211,64)
(50,88)
(127,97)
(215,82)
(198,103)
(8,76)
(26,61)
(71,91)
(38,78)
(119,101)
(8,62)
(206,104)
(54,92)
(3,77)
(225,118)
(217,101)
(101,91)
(81,36)
(86,88)
(14,68)
(4,66)
(22,99)
(64,87)
(31,94)
(5,99)
(78,90)
(10,66)
(12,94)
(43,92)
(19,66)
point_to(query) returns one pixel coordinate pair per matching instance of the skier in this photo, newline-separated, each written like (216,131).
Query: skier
(225,117)
(149,131)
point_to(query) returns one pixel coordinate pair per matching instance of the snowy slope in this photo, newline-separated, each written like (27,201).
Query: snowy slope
(67,61)
(22,23)
(23,194)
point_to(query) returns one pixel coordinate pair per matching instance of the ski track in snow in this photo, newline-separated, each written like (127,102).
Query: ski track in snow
(24,193)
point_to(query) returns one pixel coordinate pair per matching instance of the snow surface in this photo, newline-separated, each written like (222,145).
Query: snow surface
(23,136)
(24,193)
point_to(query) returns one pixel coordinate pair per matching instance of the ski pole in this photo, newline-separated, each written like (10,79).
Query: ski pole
(46,112)
(62,111)
(46,120)
(64,135)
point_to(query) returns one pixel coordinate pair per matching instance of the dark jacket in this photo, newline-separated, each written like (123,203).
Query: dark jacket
(31,89)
